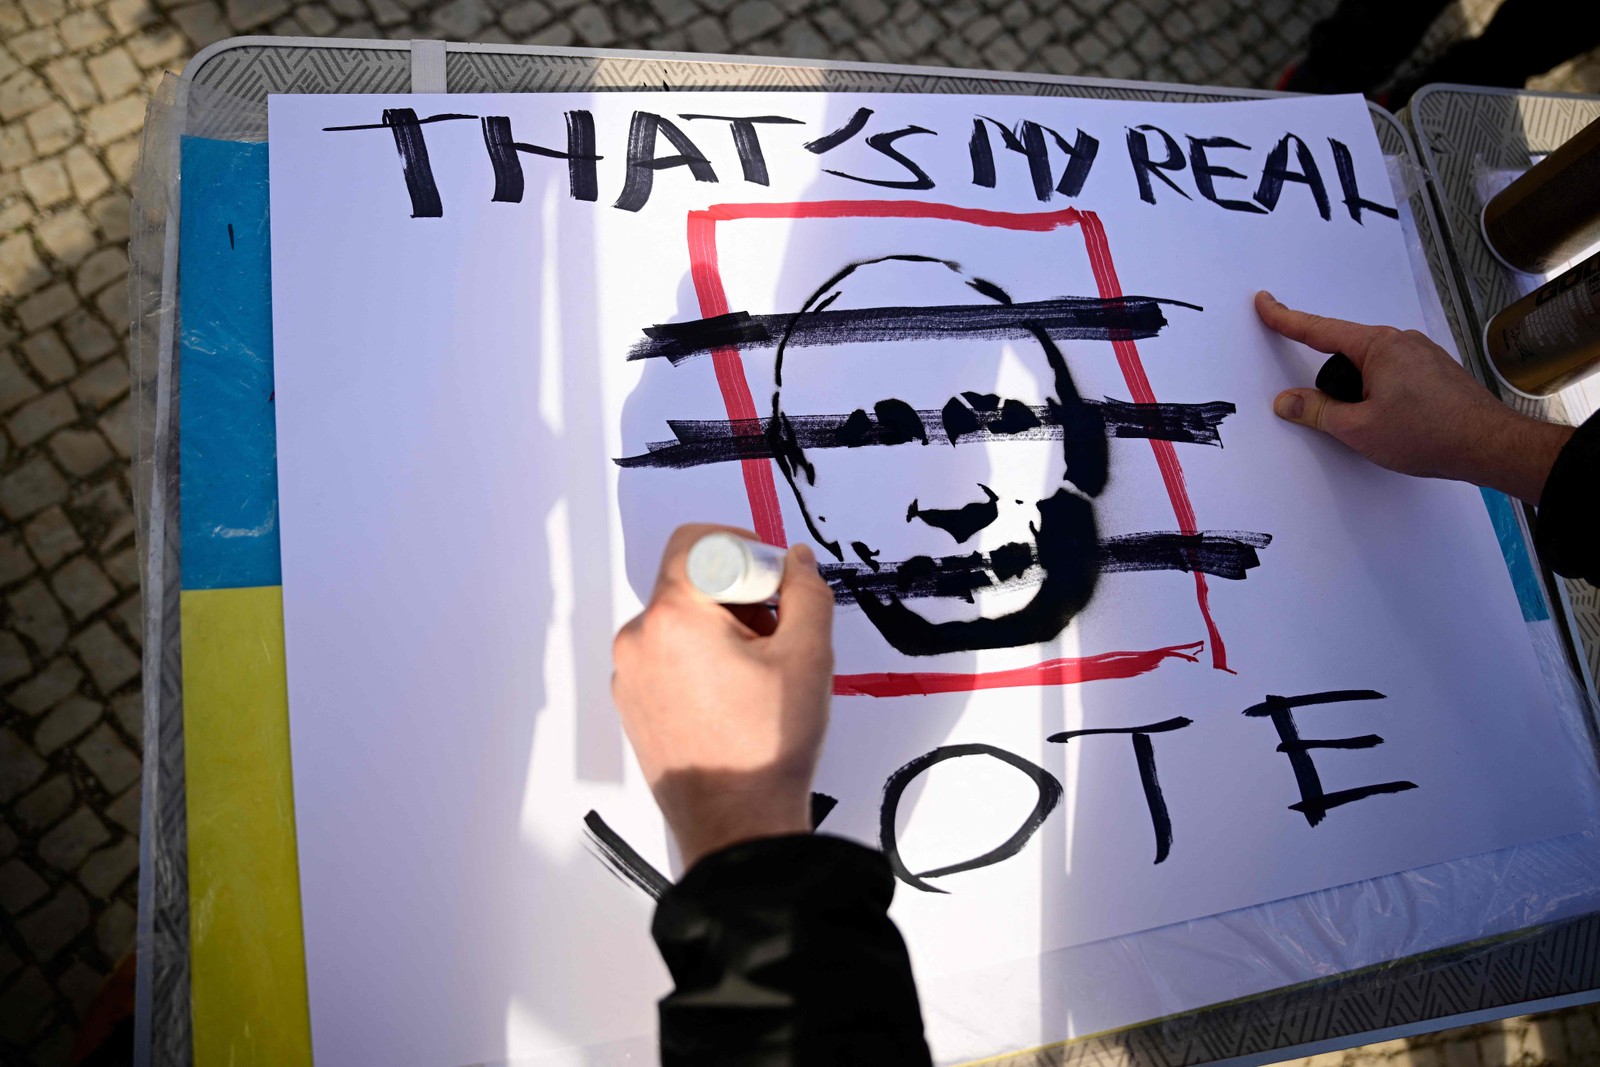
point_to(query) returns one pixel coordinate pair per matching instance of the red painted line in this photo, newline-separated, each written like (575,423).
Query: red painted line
(1105,277)
(766,515)
(1051,672)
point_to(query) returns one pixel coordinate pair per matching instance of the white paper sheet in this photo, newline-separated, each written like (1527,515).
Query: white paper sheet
(459,545)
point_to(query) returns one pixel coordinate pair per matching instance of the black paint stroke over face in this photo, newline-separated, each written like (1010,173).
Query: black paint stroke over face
(962,420)
(1080,318)
(1050,793)
(1066,551)
(1144,753)
(1228,554)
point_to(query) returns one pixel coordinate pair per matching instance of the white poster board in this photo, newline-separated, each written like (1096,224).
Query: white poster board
(1020,363)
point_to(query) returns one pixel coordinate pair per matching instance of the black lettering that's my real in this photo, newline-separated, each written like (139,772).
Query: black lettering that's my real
(1144,753)
(506,160)
(643,161)
(882,143)
(1047,784)
(1353,201)
(1028,140)
(1277,172)
(747,142)
(1206,172)
(1144,166)
(1315,804)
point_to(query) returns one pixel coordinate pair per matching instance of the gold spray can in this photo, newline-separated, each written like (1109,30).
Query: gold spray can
(1551,213)
(1551,337)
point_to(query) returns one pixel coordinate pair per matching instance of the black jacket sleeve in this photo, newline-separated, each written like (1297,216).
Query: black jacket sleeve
(784,955)
(1568,530)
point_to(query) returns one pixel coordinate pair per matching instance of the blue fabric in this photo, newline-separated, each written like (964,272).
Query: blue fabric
(1512,546)
(228,467)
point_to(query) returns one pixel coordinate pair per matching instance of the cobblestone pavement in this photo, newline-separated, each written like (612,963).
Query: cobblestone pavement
(74,78)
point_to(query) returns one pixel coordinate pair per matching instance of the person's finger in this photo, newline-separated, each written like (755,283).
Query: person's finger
(672,579)
(805,602)
(1354,339)
(1313,408)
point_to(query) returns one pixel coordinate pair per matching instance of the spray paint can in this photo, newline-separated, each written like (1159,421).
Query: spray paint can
(1551,337)
(1551,213)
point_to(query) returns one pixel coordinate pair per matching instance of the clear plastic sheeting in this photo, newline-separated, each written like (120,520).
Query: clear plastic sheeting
(1469,935)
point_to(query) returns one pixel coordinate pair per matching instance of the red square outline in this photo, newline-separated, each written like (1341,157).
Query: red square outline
(767,516)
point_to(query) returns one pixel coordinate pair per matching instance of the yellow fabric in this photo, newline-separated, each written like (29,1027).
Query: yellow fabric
(247,952)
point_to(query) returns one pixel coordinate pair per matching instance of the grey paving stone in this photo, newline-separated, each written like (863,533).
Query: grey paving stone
(21,269)
(71,840)
(110,214)
(21,93)
(157,46)
(15,151)
(36,615)
(15,385)
(31,487)
(45,689)
(51,537)
(106,870)
(460,19)
(130,15)
(593,26)
(109,662)
(71,81)
(8,844)
(82,30)
(35,45)
(115,929)
(103,384)
(49,356)
(706,34)
(124,811)
(102,514)
(45,804)
(15,562)
(316,19)
(82,586)
(129,612)
(50,927)
(41,416)
(68,235)
(20,766)
(47,306)
(201,23)
(80,452)
(46,181)
(78,984)
(87,336)
(118,119)
(14,659)
(104,753)
(26,1007)
(52,128)
(128,711)
(19,886)
(70,720)
(753,18)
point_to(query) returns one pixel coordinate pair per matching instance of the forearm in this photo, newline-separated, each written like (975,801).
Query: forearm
(1514,454)
(783,952)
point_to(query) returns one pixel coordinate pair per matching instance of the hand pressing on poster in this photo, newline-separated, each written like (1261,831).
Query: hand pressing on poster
(1422,414)
(726,706)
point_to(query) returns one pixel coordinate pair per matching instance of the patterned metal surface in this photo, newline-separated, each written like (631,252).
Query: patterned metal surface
(228,91)
(1466,133)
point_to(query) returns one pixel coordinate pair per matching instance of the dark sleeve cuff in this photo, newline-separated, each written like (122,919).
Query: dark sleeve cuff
(782,952)
(1568,529)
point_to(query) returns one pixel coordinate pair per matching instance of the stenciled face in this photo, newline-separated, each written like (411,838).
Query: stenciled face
(952,477)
